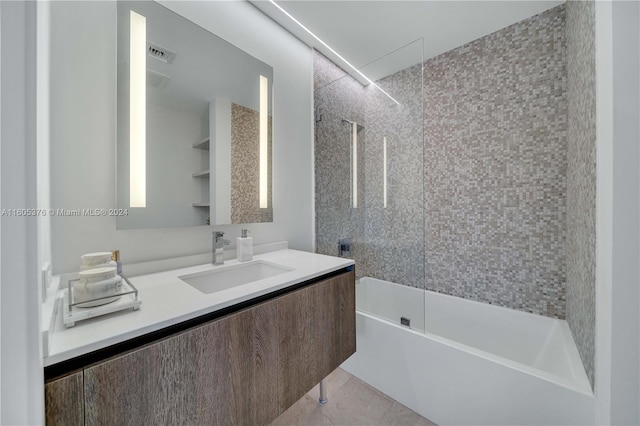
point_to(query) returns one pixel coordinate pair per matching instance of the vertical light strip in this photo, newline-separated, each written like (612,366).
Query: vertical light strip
(137,109)
(384,172)
(354,168)
(264,141)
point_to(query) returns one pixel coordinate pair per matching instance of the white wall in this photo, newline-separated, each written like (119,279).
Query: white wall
(171,189)
(220,159)
(83,132)
(617,381)
(625,388)
(21,388)
(43,169)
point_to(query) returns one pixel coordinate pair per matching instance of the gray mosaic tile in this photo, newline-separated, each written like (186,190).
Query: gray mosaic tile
(397,230)
(245,168)
(325,71)
(581,179)
(387,241)
(335,218)
(495,167)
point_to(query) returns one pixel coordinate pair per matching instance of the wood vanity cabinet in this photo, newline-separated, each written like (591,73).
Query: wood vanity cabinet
(244,368)
(181,380)
(222,372)
(63,399)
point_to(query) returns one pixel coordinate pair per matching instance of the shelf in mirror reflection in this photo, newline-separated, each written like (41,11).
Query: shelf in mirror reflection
(203,144)
(202,174)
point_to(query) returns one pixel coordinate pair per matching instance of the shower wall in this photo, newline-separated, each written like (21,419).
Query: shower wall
(581,179)
(394,235)
(337,96)
(508,165)
(387,241)
(496,163)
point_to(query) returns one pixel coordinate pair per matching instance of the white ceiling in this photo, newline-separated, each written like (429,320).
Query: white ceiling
(364,31)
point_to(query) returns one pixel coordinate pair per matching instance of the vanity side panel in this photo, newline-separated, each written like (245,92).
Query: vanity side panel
(324,327)
(254,365)
(345,339)
(63,400)
(180,380)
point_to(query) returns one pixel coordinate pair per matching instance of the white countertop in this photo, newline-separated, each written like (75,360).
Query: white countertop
(167,300)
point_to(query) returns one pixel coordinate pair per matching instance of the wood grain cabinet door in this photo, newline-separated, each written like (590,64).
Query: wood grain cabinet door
(316,327)
(334,322)
(296,360)
(181,380)
(220,373)
(254,365)
(63,399)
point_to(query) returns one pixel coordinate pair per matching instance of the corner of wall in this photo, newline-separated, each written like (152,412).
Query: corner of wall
(604,202)
(581,178)
(22,390)
(625,330)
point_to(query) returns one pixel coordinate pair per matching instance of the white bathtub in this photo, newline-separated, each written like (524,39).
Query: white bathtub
(468,363)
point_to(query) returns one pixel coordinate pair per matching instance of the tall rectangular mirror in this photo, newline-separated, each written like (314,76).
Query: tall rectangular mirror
(194,124)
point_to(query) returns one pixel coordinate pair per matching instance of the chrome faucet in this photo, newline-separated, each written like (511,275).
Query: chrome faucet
(218,247)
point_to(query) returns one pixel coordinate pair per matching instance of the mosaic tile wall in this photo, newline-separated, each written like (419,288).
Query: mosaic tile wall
(394,234)
(387,242)
(495,167)
(497,176)
(245,167)
(335,218)
(326,72)
(581,179)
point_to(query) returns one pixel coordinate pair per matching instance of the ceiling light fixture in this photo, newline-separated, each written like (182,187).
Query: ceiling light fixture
(332,51)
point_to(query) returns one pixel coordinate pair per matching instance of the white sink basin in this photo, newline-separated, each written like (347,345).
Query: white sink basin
(226,277)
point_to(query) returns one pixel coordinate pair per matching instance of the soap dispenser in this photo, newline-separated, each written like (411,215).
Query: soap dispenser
(244,246)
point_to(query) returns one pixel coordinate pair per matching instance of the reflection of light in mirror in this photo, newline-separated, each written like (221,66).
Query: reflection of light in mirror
(264,136)
(137,110)
(384,172)
(354,168)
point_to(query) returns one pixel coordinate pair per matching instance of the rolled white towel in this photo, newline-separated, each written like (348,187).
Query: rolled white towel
(84,291)
(95,260)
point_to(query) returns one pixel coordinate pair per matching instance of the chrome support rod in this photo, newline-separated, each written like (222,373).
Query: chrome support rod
(323,392)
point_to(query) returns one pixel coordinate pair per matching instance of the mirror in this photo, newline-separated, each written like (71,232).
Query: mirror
(194,125)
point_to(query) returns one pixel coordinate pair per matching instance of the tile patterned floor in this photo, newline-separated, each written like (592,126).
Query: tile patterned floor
(351,402)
